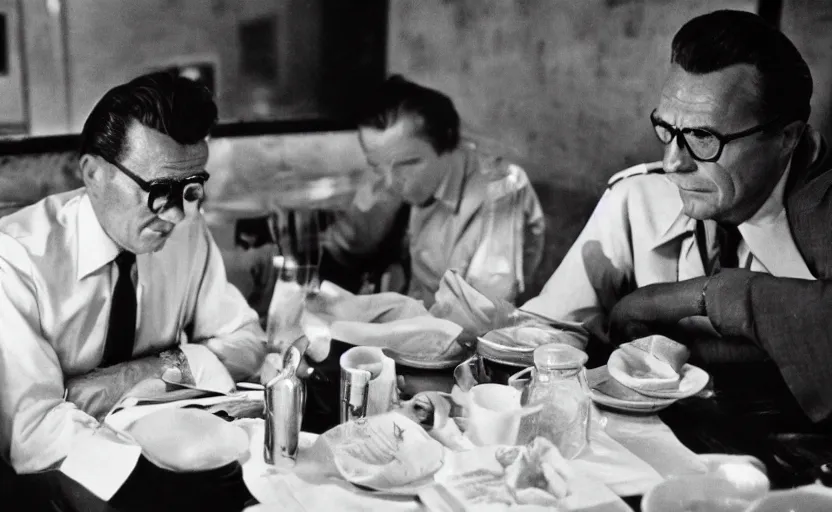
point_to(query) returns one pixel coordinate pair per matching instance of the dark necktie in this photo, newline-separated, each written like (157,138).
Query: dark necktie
(729,239)
(121,330)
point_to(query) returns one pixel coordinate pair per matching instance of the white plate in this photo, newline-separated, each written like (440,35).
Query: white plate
(606,391)
(522,356)
(692,379)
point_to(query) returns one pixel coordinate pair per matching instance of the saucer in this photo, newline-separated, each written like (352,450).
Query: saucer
(606,391)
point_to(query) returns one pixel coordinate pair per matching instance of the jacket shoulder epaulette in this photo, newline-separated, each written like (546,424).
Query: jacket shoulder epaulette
(636,170)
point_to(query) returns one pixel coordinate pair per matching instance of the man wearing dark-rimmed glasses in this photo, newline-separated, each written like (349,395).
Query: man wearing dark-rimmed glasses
(101,287)
(721,244)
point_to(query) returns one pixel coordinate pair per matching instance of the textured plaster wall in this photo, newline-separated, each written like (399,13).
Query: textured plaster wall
(809,25)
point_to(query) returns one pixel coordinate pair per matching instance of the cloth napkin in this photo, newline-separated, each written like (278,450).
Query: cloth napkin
(387,452)
(388,320)
(313,484)
(605,461)
(480,314)
(636,366)
(479,480)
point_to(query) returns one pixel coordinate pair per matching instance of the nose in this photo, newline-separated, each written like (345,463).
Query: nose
(173,214)
(677,157)
(386,173)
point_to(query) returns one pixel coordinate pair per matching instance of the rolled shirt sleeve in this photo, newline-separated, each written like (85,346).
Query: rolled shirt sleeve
(222,319)
(789,319)
(38,426)
(596,271)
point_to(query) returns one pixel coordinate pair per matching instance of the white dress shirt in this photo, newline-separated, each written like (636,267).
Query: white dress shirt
(56,281)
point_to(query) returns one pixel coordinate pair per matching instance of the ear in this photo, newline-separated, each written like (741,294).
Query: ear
(92,171)
(791,136)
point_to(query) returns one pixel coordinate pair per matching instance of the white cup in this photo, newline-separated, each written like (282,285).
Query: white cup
(495,413)
(368,383)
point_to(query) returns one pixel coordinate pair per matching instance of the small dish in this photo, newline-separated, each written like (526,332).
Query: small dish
(505,354)
(410,490)
(692,379)
(407,360)
(606,391)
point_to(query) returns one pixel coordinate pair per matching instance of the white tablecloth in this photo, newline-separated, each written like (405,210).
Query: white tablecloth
(620,449)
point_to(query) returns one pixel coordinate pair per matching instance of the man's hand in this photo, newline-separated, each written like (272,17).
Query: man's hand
(655,309)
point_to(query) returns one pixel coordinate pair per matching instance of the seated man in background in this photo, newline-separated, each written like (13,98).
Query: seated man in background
(105,289)
(724,249)
(469,211)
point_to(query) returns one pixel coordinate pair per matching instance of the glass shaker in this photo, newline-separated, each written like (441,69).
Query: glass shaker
(559,384)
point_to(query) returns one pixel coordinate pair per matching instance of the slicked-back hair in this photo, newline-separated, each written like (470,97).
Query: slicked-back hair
(724,38)
(164,101)
(436,118)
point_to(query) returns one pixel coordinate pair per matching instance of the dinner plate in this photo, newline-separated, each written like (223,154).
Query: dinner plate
(606,391)
(421,364)
(510,355)
(411,490)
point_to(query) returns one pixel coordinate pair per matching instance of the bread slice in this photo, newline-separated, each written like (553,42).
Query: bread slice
(664,349)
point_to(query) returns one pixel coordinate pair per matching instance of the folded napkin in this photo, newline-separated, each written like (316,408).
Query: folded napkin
(510,334)
(501,478)
(387,452)
(476,312)
(422,338)
(445,418)
(313,484)
(649,364)
(386,320)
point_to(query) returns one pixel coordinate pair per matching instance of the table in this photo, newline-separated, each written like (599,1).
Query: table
(706,425)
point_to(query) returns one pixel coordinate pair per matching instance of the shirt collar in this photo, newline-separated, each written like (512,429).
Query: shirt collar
(95,247)
(673,226)
(449,191)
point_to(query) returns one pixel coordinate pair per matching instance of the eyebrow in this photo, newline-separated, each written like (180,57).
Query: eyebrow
(409,160)
(706,128)
(171,179)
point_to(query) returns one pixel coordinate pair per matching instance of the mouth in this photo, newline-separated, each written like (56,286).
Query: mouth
(693,190)
(160,231)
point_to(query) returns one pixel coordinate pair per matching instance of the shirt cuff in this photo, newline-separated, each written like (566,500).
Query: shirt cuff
(208,372)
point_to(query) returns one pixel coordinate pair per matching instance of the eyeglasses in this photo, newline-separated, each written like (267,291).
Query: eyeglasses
(703,144)
(166,192)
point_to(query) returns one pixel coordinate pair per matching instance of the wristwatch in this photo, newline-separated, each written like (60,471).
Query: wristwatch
(174,358)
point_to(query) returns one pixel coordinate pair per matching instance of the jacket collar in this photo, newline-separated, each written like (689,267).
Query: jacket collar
(450,189)
(674,225)
(809,166)
(95,247)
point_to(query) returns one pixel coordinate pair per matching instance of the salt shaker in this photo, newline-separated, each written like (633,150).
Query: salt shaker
(285,398)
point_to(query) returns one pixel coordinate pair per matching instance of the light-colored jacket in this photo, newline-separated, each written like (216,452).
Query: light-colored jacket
(638,235)
(486,223)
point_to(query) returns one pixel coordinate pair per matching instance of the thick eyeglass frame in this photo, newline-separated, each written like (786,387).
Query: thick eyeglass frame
(679,135)
(171,189)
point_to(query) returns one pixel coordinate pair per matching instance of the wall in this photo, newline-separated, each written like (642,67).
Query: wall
(808,23)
